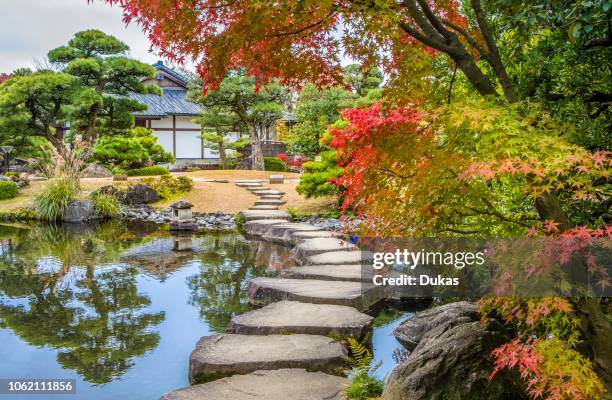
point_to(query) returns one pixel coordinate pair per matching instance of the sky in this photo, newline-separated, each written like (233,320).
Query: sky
(30,28)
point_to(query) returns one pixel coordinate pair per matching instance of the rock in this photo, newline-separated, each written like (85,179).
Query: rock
(94,170)
(276,178)
(280,232)
(80,211)
(339,257)
(444,317)
(259,226)
(270,202)
(140,194)
(263,208)
(285,317)
(258,189)
(349,272)
(269,192)
(222,355)
(5,178)
(272,197)
(296,237)
(250,215)
(248,184)
(311,247)
(263,291)
(249,181)
(296,384)
(452,361)
(120,177)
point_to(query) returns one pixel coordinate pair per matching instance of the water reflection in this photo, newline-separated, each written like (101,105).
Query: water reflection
(78,289)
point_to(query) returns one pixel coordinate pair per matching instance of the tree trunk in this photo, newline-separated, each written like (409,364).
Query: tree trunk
(597,332)
(595,327)
(222,155)
(257,159)
(477,78)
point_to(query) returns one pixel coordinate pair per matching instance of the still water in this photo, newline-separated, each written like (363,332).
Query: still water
(119,307)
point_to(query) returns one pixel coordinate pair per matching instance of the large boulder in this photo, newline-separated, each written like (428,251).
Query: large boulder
(140,194)
(441,318)
(94,170)
(451,358)
(80,211)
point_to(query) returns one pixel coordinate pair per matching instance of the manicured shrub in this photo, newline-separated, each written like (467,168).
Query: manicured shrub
(106,205)
(119,151)
(8,190)
(155,170)
(168,186)
(274,164)
(53,201)
(315,182)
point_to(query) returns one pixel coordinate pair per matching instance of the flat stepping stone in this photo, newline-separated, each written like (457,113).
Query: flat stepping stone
(301,235)
(249,184)
(263,207)
(263,291)
(272,197)
(260,226)
(281,384)
(281,232)
(311,247)
(228,354)
(270,202)
(258,189)
(250,215)
(347,272)
(269,192)
(339,257)
(249,181)
(286,317)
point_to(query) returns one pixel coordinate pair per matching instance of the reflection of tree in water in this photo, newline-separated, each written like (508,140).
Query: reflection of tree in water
(228,263)
(94,317)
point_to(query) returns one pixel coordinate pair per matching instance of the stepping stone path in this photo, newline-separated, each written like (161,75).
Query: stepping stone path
(267,202)
(281,384)
(229,354)
(284,350)
(263,291)
(285,317)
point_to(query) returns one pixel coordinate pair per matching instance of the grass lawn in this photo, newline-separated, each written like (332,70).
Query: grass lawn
(205,196)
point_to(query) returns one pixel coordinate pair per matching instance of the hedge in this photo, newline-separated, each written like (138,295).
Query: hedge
(274,164)
(8,190)
(148,171)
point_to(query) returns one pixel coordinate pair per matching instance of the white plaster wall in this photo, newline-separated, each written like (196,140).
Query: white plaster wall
(162,123)
(186,122)
(164,138)
(188,145)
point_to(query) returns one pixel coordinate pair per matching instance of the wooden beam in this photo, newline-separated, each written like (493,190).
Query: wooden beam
(174,135)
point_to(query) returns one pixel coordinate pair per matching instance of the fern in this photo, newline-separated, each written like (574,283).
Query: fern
(360,357)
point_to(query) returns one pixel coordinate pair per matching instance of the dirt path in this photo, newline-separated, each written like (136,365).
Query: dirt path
(205,196)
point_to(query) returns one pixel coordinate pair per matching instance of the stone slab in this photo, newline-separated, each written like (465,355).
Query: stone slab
(345,272)
(258,189)
(281,232)
(282,384)
(285,317)
(276,178)
(250,215)
(311,247)
(263,291)
(338,257)
(249,184)
(298,236)
(263,207)
(259,226)
(249,181)
(269,192)
(228,354)
(270,202)
(272,197)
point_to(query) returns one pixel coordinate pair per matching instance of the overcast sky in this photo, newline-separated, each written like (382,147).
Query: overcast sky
(30,28)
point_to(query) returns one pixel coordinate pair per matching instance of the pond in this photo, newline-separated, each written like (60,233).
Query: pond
(119,307)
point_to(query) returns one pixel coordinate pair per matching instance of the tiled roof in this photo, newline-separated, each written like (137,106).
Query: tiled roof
(172,102)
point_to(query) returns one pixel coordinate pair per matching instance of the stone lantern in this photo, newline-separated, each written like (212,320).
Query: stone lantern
(182,217)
